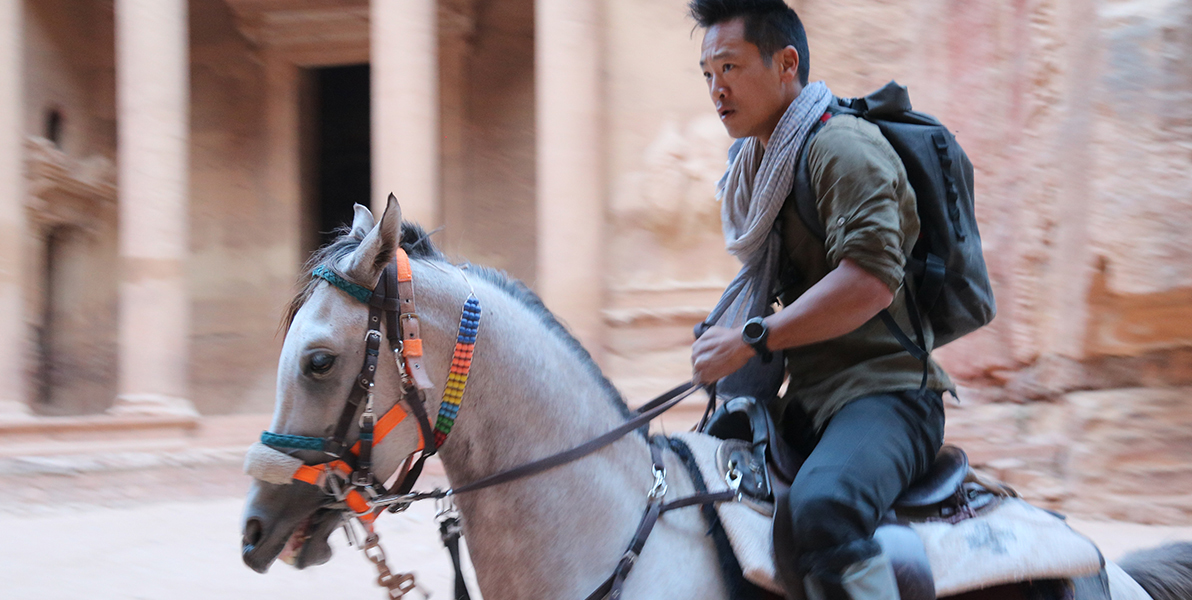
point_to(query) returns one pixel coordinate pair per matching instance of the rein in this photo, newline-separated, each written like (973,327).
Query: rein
(348,477)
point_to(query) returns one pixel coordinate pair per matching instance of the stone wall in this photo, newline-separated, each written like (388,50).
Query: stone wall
(1075,114)
(243,253)
(1117,454)
(488,114)
(243,257)
(666,149)
(69,132)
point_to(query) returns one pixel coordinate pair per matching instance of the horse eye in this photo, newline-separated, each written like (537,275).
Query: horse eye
(321,362)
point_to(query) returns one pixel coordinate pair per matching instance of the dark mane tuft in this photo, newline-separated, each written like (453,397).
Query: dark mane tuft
(416,242)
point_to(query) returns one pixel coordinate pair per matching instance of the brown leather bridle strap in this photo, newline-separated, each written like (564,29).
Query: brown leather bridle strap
(614,585)
(414,401)
(407,312)
(364,381)
(653,511)
(616,581)
(399,311)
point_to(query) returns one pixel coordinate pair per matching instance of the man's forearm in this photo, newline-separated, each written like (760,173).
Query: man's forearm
(842,301)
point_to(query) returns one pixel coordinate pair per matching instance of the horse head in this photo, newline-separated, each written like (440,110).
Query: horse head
(320,364)
(533,391)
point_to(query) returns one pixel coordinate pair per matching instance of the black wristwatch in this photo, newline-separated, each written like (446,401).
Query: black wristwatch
(755,333)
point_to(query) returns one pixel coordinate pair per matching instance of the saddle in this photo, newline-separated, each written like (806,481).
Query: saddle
(759,465)
(755,450)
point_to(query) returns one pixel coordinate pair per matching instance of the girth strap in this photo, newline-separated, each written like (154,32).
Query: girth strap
(613,587)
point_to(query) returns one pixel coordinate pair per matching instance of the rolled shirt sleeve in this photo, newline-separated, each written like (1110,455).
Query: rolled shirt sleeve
(866,204)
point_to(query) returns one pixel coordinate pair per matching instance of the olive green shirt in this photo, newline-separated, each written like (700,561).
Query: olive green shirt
(868,209)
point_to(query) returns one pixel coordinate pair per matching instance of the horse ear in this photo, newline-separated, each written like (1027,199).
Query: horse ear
(377,248)
(362,221)
(391,223)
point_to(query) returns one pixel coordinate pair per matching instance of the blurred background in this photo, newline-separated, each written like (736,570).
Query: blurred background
(166,167)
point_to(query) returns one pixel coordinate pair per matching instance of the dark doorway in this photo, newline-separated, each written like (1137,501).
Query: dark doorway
(77,334)
(341,158)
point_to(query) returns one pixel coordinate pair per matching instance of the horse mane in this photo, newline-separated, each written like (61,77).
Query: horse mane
(416,242)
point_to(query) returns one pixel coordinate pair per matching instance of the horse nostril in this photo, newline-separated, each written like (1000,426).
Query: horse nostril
(252,532)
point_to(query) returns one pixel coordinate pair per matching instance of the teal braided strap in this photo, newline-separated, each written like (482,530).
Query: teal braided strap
(295,442)
(354,290)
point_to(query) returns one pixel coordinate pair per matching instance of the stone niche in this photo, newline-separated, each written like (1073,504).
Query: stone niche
(72,250)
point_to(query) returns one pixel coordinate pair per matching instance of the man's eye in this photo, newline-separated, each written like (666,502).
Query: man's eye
(321,362)
(728,67)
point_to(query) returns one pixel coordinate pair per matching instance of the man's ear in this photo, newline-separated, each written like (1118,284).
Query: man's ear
(788,58)
(364,265)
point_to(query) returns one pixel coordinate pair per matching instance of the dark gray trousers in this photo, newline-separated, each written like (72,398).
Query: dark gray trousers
(867,455)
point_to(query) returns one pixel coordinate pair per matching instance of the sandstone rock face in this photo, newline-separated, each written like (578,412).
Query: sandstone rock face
(1076,115)
(1116,454)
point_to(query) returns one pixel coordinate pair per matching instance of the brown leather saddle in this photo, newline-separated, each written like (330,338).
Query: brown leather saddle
(760,465)
(764,458)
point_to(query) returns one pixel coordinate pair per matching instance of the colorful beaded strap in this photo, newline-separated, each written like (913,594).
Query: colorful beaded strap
(461,364)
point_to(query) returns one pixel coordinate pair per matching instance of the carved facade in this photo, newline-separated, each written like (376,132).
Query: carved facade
(573,145)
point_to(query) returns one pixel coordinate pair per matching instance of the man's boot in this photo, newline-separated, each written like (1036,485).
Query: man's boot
(869,579)
(854,571)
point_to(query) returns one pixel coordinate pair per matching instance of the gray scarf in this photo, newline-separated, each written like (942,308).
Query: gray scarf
(752,193)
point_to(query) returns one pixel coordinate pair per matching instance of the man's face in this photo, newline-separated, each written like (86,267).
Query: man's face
(750,95)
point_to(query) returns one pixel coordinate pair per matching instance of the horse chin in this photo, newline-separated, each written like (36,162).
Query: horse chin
(312,540)
(289,521)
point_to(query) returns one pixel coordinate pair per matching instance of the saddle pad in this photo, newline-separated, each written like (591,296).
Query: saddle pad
(1122,586)
(1013,542)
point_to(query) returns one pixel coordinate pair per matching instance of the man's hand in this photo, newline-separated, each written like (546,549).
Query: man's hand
(718,353)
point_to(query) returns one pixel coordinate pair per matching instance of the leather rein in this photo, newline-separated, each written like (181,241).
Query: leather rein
(348,476)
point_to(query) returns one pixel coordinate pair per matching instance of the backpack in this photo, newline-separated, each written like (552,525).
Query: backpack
(945,271)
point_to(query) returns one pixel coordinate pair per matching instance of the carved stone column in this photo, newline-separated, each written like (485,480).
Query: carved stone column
(571,186)
(13,332)
(405,107)
(153,100)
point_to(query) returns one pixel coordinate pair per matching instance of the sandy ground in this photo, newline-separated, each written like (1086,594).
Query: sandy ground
(190,550)
(165,525)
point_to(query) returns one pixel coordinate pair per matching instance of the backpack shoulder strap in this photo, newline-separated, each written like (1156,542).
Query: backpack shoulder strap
(801,192)
(806,206)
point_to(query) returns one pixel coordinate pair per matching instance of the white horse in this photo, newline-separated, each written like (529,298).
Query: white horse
(533,391)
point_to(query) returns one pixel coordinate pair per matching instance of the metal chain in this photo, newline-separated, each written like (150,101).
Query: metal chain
(397,585)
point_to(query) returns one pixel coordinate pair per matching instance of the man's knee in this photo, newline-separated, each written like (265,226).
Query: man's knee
(827,520)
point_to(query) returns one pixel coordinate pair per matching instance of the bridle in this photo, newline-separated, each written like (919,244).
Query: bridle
(348,476)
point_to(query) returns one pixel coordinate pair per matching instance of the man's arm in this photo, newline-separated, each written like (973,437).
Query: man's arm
(846,298)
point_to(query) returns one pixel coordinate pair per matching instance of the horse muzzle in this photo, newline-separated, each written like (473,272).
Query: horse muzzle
(289,518)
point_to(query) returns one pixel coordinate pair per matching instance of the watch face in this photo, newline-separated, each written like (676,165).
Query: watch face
(753,331)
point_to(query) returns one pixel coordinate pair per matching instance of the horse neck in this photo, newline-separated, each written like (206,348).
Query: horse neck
(531,394)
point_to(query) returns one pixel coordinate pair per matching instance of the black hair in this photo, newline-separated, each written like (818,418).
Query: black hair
(770,25)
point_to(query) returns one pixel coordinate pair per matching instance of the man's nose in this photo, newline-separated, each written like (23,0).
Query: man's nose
(719,90)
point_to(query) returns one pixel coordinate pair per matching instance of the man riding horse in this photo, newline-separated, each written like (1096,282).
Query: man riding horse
(855,399)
